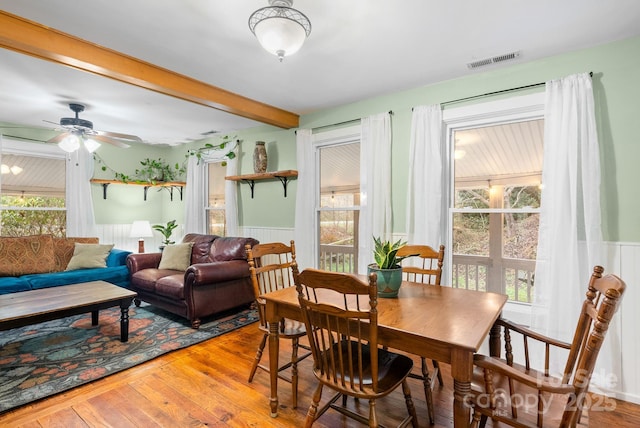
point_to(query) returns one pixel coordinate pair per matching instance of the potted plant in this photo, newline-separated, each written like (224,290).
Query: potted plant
(387,266)
(166,231)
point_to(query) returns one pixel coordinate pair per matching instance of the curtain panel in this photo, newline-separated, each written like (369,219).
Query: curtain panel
(306,242)
(427,185)
(79,203)
(570,238)
(375,185)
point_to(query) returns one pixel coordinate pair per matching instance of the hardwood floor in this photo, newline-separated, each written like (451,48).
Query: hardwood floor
(206,385)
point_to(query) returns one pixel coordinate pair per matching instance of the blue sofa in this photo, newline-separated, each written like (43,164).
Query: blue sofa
(115,272)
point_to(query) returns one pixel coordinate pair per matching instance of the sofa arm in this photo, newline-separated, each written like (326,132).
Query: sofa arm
(117,257)
(210,273)
(136,262)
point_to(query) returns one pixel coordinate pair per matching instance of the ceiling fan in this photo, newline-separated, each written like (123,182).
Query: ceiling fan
(77,130)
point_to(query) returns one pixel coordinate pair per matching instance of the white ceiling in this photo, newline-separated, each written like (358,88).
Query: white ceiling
(357,49)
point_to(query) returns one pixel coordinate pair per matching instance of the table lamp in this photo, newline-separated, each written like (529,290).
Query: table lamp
(141,229)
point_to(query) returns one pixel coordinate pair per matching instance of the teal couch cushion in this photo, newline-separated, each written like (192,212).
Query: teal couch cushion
(12,284)
(118,275)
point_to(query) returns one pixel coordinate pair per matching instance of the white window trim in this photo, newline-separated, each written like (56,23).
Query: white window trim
(515,109)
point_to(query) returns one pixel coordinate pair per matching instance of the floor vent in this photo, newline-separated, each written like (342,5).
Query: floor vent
(493,60)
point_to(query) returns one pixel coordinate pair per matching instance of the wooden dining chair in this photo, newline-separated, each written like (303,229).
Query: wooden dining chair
(270,267)
(428,270)
(521,396)
(341,318)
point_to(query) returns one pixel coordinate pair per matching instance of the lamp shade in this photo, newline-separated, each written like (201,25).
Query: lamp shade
(141,229)
(91,145)
(280,29)
(70,143)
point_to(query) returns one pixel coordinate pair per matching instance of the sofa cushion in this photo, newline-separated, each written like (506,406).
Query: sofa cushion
(146,279)
(171,286)
(86,256)
(201,247)
(116,275)
(176,257)
(230,248)
(63,250)
(13,284)
(26,254)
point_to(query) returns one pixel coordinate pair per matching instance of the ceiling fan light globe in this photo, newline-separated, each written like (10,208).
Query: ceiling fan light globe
(91,145)
(70,143)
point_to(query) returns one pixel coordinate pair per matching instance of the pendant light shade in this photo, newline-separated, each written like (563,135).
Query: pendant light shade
(280,29)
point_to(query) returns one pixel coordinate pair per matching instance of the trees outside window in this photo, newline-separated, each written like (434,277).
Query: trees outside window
(32,195)
(495,210)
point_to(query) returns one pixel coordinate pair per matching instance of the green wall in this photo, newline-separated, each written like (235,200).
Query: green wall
(616,91)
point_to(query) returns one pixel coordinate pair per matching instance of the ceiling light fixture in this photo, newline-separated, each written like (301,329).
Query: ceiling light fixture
(15,170)
(71,143)
(280,29)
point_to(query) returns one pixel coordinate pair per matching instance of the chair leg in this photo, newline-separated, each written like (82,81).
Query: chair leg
(373,416)
(313,409)
(294,371)
(427,390)
(409,402)
(436,372)
(256,361)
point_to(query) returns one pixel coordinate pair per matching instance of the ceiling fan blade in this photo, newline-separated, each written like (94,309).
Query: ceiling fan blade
(109,140)
(58,138)
(120,136)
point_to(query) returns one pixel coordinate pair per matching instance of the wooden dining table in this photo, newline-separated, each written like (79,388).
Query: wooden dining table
(437,322)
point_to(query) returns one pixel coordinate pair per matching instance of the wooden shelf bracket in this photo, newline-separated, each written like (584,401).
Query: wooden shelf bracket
(283,176)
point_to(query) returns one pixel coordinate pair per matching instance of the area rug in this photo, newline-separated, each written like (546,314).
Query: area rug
(48,358)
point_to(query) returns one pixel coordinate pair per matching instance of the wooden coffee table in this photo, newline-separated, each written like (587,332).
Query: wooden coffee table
(36,306)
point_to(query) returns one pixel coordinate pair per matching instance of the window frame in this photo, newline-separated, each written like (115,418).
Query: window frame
(208,208)
(334,137)
(513,109)
(9,146)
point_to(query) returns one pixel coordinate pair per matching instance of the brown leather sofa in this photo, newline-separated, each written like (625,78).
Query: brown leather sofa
(217,280)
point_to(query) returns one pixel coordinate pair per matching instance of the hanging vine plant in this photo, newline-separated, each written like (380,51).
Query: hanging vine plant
(223,151)
(158,170)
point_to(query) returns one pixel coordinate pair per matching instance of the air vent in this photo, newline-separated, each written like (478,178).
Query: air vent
(209,132)
(493,60)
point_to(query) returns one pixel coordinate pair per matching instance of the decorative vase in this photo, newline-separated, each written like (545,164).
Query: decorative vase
(389,280)
(259,158)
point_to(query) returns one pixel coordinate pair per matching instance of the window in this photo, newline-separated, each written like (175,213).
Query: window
(216,224)
(339,205)
(495,202)
(32,191)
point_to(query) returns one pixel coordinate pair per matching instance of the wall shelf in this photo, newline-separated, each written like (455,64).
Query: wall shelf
(169,185)
(283,176)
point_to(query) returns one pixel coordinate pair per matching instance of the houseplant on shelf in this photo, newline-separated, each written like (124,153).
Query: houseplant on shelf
(387,266)
(166,231)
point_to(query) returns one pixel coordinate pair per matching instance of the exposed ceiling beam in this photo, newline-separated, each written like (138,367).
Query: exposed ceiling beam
(31,38)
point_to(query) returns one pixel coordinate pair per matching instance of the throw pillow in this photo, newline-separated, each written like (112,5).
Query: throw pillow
(63,250)
(87,256)
(176,257)
(26,254)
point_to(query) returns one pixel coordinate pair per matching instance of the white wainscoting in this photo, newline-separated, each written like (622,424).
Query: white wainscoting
(622,259)
(118,235)
(264,234)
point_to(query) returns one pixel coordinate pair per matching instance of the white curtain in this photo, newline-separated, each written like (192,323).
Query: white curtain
(80,217)
(570,239)
(375,185)
(426,190)
(231,199)
(304,234)
(195,197)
